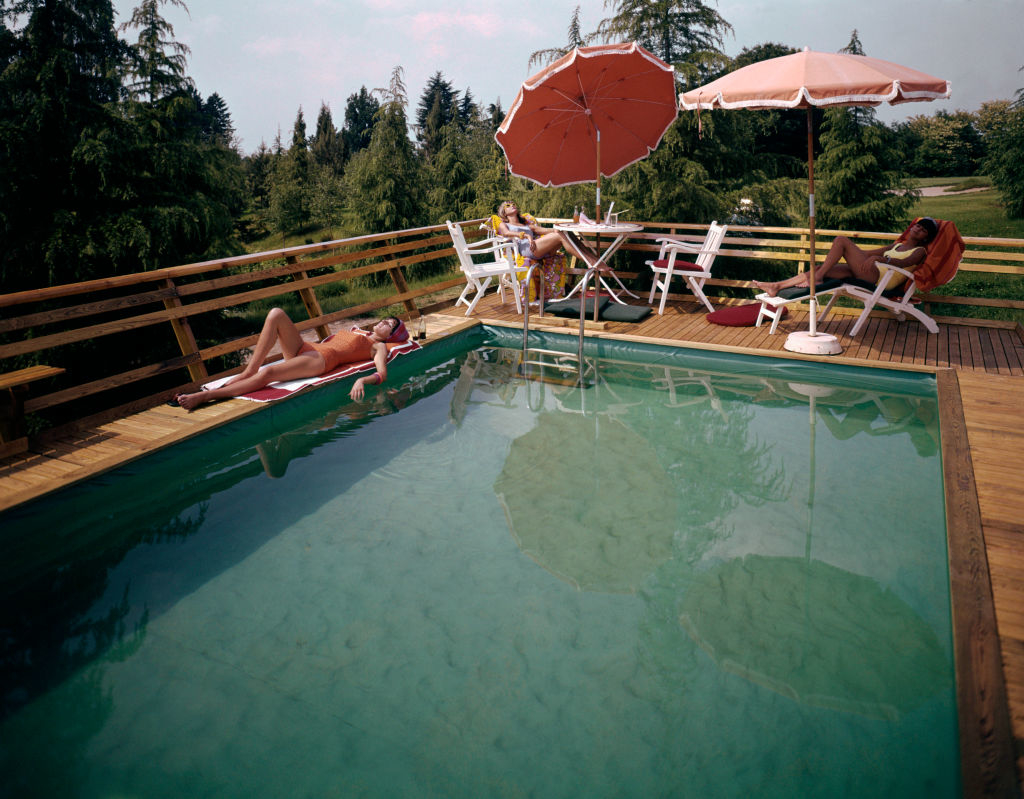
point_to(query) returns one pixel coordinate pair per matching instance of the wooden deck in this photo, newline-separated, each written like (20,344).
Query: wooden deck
(984,473)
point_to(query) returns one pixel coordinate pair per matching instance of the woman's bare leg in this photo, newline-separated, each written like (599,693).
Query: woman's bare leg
(545,245)
(844,259)
(305,364)
(276,327)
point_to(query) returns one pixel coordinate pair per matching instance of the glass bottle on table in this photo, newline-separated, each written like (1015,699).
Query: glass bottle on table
(575,214)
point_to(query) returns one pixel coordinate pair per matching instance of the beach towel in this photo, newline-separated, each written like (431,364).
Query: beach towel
(276,391)
(943,259)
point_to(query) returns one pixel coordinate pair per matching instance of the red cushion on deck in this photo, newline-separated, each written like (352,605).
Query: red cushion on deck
(738,315)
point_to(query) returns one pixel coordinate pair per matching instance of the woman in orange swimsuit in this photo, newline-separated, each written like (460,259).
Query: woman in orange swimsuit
(846,259)
(304,359)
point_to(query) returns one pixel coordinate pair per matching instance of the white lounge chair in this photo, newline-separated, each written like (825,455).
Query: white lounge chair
(499,262)
(892,293)
(667,265)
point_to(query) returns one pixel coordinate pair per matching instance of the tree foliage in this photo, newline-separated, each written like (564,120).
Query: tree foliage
(674,30)
(1002,126)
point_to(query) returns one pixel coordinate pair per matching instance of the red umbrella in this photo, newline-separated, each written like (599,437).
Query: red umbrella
(592,112)
(805,80)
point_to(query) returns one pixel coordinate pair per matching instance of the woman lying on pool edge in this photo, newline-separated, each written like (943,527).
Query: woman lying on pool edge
(305,359)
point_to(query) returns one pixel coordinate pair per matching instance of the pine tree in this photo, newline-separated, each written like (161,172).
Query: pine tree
(862,183)
(360,113)
(158,62)
(575,39)
(437,107)
(385,176)
(327,147)
(674,30)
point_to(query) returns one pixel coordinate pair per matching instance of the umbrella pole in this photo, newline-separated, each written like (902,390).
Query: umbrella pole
(811,341)
(597,210)
(813,254)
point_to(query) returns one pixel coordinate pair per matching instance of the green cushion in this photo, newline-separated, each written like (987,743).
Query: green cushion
(625,313)
(571,307)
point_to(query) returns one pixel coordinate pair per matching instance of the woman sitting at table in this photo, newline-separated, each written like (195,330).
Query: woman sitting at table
(537,244)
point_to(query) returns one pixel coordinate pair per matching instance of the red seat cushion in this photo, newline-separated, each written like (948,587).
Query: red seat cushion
(662,263)
(738,315)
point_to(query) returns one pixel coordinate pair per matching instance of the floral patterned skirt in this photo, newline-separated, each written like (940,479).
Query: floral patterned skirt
(551,271)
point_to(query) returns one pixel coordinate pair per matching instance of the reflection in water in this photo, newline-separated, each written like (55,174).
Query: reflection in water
(186,617)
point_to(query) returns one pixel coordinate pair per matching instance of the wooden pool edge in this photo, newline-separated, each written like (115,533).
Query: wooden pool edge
(987,747)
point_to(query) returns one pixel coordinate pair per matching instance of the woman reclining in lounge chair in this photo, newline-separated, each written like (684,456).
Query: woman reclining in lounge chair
(535,243)
(304,359)
(860,263)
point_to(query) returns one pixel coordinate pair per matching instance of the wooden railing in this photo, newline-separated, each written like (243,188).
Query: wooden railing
(43,326)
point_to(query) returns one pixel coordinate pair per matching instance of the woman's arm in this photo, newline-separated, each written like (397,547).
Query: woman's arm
(380,360)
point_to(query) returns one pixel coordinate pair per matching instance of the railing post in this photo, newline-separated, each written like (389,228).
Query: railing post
(398,278)
(309,299)
(803,266)
(183,333)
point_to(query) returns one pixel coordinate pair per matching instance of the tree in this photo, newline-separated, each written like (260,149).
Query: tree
(158,62)
(1002,128)
(385,176)
(216,123)
(674,30)
(437,107)
(327,146)
(58,94)
(941,145)
(575,39)
(360,113)
(289,205)
(863,183)
(449,174)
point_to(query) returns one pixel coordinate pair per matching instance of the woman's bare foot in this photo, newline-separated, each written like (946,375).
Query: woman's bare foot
(190,401)
(771,289)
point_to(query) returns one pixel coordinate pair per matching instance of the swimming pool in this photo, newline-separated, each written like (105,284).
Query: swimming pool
(670,583)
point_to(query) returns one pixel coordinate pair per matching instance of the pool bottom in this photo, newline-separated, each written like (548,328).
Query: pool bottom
(372,648)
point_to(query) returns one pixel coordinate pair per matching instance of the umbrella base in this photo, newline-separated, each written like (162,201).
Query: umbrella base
(812,343)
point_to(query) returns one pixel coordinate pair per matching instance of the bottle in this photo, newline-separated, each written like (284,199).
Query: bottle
(421,330)
(575,214)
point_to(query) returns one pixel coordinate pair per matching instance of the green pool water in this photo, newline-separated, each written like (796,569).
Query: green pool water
(680,581)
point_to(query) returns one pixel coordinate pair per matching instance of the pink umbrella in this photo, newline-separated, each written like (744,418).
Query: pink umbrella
(805,80)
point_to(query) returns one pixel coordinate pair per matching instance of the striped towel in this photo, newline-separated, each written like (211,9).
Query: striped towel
(276,391)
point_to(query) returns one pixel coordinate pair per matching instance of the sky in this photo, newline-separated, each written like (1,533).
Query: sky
(266,59)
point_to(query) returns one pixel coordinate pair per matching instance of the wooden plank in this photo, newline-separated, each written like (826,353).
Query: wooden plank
(986,737)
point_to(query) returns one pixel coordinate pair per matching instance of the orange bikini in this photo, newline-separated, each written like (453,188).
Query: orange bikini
(342,347)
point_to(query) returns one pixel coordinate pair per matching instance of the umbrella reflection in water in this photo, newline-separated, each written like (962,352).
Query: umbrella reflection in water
(813,632)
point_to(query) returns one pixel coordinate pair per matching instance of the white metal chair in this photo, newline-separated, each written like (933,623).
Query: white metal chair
(499,261)
(667,265)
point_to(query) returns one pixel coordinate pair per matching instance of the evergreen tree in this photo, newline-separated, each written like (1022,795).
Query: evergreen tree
(360,113)
(58,94)
(327,147)
(289,203)
(575,39)
(435,110)
(217,124)
(258,170)
(941,145)
(674,30)
(158,62)
(385,176)
(862,183)
(449,174)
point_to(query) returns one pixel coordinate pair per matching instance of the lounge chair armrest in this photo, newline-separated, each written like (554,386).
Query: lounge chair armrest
(886,273)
